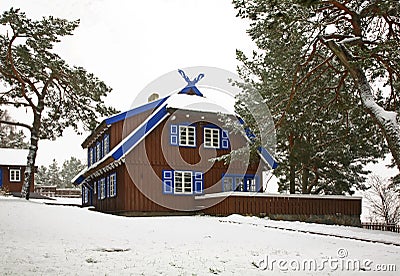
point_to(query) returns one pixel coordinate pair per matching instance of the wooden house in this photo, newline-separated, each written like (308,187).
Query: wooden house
(12,169)
(157,159)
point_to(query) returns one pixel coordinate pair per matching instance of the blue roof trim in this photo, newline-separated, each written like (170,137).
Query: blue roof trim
(140,133)
(263,152)
(135,111)
(268,157)
(79,180)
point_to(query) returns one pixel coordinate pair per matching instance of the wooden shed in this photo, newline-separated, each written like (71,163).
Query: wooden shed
(12,169)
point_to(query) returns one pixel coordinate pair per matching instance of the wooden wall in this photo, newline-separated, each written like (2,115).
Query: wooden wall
(13,186)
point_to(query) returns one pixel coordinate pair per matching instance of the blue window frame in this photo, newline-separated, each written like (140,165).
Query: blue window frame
(224,139)
(89,159)
(182,182)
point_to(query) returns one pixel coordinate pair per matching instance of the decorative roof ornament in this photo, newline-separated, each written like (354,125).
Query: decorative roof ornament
(191,84)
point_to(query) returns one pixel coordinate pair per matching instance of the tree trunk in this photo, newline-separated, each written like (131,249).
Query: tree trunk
(386,120)
(292,166)
(304,180)
(292,177)
(31,159)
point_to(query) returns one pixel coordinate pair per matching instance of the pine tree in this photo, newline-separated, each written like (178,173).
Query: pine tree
(317,56)
(69,169)
(9,136)
(57,95)
(53,173)
(42,176)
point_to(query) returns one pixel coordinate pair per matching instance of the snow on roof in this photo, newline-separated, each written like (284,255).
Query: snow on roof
(213,101)
(13,157)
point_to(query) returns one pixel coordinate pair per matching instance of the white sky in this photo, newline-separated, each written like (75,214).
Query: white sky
(128,44)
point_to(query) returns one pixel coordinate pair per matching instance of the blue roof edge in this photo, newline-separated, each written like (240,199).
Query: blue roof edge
(135,111)
(268,157)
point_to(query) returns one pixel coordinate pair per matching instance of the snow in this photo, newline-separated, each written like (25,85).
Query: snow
(214,101)
(13,157)
(59,240)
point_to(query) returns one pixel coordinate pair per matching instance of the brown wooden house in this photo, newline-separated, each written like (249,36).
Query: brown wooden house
(156,158)
(12,169)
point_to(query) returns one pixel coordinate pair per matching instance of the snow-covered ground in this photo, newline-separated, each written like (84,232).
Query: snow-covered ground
(39,239)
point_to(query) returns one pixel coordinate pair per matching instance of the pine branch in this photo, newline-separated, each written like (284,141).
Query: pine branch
(16,124)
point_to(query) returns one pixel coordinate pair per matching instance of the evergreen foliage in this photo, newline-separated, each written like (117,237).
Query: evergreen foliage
(36,78)
(314,67)
(10,137)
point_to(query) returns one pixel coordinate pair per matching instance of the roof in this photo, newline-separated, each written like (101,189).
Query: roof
(209,100)
(119,117)
(13,157)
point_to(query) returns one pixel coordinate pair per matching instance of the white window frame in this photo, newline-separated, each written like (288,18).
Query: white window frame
(98,151)
(251,185)
(15,175)
(183,175)
(113,179)
(106,144)
(102,188)
(209,140)
(186,142)
(95,187)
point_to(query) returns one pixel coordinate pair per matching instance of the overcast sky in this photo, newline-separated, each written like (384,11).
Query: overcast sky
(128,44)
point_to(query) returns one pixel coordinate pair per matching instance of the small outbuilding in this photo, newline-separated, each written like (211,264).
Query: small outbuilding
(12,169)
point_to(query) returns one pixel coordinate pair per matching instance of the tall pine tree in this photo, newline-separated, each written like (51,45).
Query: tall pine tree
(57,95)
(324,134)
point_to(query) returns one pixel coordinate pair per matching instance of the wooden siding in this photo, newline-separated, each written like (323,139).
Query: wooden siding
(13,186)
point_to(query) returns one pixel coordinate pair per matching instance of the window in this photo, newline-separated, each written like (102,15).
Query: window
(98,151)
(15,175)
(85,194)
(239,184)
(251,185)
(183,182)
(113,185)
(93,155)
(187,136)
(106,144)
(211,137)
(227,184)
(95,187)
(89,157)
(103,188)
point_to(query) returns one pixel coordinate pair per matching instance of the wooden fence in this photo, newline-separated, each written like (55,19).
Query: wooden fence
(381,226)
(324,209)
